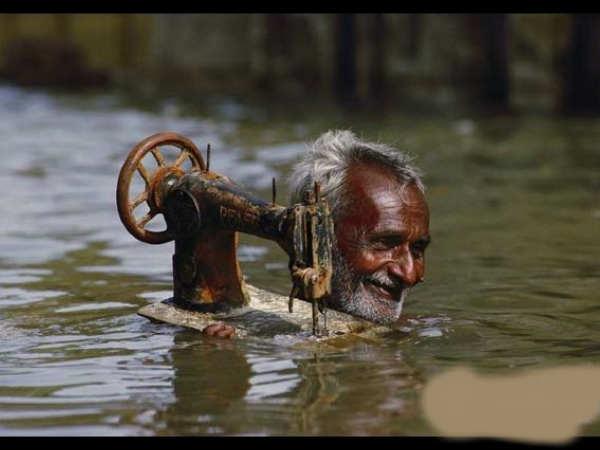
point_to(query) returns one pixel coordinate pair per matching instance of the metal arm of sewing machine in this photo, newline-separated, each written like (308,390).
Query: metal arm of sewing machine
(204,211)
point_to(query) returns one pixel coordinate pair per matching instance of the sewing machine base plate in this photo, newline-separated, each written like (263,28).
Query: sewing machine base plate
(266,316)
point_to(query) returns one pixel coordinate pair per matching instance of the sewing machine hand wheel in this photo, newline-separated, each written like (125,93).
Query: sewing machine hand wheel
(165,174)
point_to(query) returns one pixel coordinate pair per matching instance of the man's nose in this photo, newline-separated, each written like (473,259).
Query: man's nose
(403,267)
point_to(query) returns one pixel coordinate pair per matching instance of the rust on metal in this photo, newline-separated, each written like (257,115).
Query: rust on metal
(134,164)
(205,211)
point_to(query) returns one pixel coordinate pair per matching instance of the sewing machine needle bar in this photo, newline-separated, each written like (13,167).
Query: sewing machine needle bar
(158,156)
(291,299)
(139,200)
(207,157)
(144,220)
(181,158)
(315,317)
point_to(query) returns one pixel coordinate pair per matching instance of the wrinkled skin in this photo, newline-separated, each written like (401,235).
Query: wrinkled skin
(381,239)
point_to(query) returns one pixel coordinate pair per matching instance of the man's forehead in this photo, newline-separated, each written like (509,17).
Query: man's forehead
(370,173)
(378,196)
(378,185)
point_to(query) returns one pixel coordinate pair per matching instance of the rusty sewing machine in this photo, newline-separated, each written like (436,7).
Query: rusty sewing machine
(204,211)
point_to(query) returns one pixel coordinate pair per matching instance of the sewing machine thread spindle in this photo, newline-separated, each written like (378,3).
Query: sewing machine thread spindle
(207,157)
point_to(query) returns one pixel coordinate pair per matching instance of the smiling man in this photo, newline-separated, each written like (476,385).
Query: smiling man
(381,222)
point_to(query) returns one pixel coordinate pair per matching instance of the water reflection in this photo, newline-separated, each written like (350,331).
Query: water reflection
(369,394)
(235,387)
(252,387)
(210,377)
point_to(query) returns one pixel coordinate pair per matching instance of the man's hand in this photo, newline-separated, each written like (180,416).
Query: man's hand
(219,329)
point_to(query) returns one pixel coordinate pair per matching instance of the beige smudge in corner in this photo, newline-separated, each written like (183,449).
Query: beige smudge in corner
(542,405)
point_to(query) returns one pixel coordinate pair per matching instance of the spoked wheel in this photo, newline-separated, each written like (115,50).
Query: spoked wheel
(166,174)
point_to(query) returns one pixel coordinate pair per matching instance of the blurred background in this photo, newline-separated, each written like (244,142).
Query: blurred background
(501,62)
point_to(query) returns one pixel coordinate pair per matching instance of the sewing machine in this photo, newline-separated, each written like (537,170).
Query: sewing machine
(204,211)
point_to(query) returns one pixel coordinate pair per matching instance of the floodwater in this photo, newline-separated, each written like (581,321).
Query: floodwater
(513,273)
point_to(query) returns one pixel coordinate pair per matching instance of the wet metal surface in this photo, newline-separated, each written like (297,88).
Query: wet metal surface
(205,212)
(512,274)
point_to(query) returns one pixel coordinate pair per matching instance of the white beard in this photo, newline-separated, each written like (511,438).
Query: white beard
(351,295)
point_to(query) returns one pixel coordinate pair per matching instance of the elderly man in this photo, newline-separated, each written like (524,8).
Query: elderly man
(381,222)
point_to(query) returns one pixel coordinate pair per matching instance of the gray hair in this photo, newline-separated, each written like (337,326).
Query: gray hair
(329,159)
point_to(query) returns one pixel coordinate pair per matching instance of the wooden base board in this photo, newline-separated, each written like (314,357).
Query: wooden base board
(266,316)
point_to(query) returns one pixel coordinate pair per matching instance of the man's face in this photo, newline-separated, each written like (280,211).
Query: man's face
(381,240)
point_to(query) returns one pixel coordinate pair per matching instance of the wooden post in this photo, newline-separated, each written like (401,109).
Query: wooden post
(258,49)
(126,40)
(277,45)
(415,28)
(62,26)
(345,73)
(376,31)
(495,92)
(581,85)
(9,26)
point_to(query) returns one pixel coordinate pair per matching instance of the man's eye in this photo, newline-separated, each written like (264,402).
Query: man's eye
(386,243)
(418,251)
(378,245)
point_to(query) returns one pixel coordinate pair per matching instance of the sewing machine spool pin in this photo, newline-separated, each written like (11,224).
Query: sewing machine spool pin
(207,158)
(205,211)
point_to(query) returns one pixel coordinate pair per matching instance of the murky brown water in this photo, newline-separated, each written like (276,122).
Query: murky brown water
(513,277)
